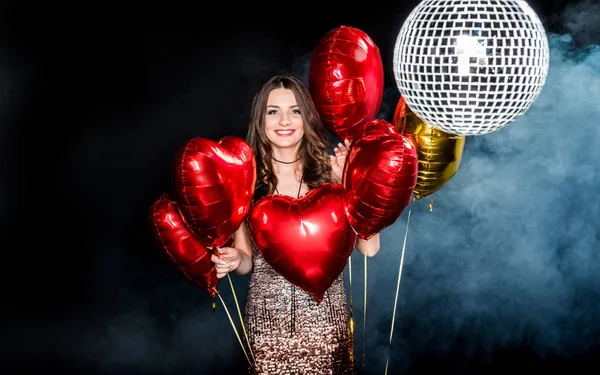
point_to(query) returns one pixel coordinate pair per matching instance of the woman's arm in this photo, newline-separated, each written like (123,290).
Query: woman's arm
(368,247)
(237,258)
(243,242)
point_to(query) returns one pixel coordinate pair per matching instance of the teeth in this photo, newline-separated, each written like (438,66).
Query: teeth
(284,131)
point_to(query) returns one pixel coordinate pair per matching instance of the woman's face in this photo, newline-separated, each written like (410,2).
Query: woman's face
(284,126)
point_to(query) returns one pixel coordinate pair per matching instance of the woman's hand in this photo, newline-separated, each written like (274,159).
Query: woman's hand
(228,260)
(338,160)
(369,247)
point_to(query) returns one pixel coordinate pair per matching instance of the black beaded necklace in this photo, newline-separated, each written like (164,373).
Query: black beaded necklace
(285,162)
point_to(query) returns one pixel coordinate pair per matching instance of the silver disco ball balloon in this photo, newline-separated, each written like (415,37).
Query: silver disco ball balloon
(470,67)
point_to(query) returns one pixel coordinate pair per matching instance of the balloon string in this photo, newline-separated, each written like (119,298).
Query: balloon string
(398,286)
(364,313)
(350,295)
(235,330)
(240,315)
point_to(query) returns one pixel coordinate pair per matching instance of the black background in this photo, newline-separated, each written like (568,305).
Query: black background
(95,100)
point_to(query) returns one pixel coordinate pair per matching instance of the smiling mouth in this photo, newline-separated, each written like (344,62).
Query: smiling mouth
(284,133)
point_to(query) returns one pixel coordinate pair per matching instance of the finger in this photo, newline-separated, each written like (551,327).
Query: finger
(222,250)
(221,269)
(224,269)
(225,265)
(215,259)
(226,253)
(347,142)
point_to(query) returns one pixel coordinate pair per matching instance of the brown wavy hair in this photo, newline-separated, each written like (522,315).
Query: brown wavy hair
(313,151)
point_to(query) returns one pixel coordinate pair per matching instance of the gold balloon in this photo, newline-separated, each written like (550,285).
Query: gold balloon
(439,152)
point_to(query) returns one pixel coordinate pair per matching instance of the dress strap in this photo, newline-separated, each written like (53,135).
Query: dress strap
(300,187)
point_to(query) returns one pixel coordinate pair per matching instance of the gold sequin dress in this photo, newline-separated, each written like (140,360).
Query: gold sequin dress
(289,333)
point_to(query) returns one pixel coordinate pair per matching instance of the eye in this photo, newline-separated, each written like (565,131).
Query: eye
(295,111)
(271,112)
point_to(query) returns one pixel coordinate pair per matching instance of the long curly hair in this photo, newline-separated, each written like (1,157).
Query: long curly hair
(313,150)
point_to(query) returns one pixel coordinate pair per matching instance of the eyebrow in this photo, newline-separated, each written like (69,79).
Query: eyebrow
(276,106)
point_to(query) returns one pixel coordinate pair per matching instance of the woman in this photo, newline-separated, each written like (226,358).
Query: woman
(288,332)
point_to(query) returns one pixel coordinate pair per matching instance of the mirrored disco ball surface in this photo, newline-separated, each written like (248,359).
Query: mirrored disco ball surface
(470,67)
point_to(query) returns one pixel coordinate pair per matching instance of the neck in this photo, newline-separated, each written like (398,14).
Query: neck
(285,165)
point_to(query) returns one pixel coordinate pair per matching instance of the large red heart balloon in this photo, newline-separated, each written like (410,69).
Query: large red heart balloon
(380,176)
(346,80)
(214,184)
(306,240)
(184,248)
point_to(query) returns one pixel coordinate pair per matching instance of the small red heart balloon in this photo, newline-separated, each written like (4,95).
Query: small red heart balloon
(214,184)
(380,176)
(346,80)
(306,240)
(185,248)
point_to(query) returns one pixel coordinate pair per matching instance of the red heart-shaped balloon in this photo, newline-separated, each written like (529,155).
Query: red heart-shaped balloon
(214,184)
(346,80)
(183,247)
(306,240)
(380,176)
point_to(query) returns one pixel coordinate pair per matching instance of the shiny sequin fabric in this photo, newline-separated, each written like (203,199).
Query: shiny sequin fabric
(289,333)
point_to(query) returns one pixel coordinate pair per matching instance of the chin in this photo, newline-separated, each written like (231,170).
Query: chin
(286,144)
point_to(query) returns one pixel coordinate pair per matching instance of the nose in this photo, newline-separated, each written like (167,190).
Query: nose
(284,120)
